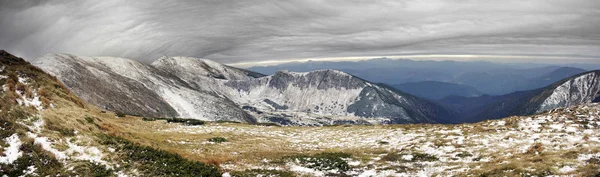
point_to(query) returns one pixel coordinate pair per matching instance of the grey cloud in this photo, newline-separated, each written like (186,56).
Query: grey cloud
(253,30)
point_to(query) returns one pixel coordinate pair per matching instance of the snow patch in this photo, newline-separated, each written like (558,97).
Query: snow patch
(566,169)
(12,152)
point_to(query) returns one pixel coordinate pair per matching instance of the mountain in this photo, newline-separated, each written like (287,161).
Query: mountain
(46,130)
(437,90)
(575,90)
(206,90)
(202,89)
(331,92)
(135,88)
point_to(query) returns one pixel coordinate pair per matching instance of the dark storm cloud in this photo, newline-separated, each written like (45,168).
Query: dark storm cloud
(253,30)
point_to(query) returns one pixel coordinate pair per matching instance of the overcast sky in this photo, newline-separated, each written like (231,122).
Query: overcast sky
(276,30)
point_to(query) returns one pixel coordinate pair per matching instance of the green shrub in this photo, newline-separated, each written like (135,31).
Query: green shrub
(227,121)
(392,157)
(423,157)
(416,157)
(186,121)
(261,172)
(594,160)
(155,162)
(510,169)
(87,168)
(148,119)
(383,142)
(217,140)
(268,124)
(8,127)
(89,119)
(120,114)
(183,121)
(464,154)
(323,161)
(33,155)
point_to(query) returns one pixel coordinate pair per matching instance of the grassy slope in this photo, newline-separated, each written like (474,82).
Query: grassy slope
(64,136)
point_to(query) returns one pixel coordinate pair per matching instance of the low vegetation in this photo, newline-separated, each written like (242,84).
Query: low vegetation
(324,161)
(217,140)
(261,172)
(183,121)
(154,162)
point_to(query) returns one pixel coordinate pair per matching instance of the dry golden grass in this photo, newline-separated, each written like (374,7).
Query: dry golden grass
(249,150)
(530,164)
(239,148)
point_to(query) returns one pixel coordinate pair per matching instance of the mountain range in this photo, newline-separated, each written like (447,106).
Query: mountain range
(486,77)
(206,90)
(203,89)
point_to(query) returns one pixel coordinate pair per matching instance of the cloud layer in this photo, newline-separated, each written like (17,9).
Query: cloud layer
(231,31)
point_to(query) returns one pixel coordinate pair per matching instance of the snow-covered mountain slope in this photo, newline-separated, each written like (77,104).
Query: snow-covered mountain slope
(576,90)
(201,74)
(203,89)
(331,92)
(135,88)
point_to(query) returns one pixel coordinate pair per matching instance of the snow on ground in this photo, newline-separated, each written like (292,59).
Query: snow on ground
(27,101)
(12,152)
(73,151)
(455,146)
(35,101)
(30,171)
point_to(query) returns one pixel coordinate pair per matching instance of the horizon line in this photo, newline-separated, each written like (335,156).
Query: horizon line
(543,59)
